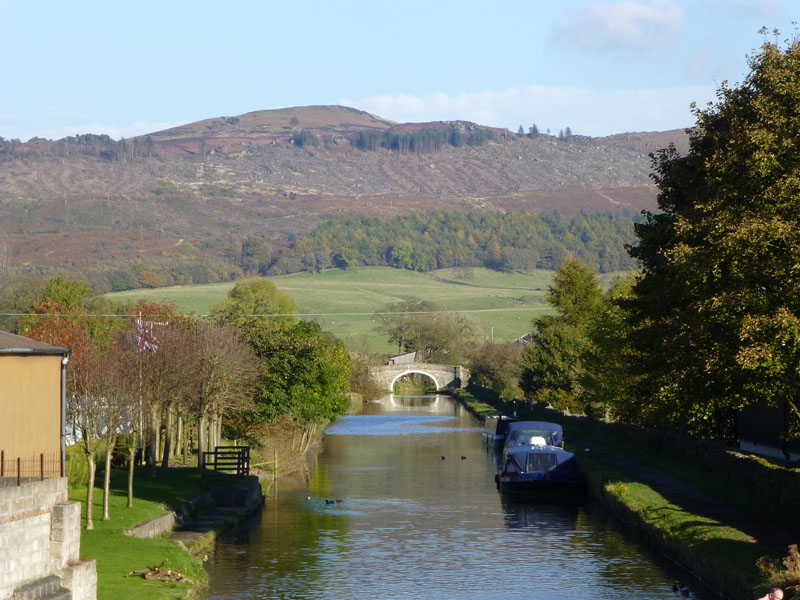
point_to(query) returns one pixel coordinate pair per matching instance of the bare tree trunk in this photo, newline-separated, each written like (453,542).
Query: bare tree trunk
(213,431)
(179,437)
(152,444)
(168,437)
(92,463)
(186,449)
(201,439)
(111,443)
(132,449)
(308,436)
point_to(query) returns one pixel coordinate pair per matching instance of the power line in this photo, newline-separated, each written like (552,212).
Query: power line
(344,314)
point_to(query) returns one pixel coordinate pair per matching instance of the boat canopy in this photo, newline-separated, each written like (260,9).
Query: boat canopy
(536,433)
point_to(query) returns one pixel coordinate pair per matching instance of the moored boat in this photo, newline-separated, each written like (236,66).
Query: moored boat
(534,463)
(495,428)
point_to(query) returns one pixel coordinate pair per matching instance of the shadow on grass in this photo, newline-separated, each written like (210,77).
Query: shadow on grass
(171,486)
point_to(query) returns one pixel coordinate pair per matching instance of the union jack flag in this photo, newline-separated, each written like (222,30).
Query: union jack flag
(145,340)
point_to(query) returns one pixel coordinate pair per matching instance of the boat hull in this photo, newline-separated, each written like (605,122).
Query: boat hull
(540,488)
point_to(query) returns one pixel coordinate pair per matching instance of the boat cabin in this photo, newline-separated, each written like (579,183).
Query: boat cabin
(495,427)
(534,433)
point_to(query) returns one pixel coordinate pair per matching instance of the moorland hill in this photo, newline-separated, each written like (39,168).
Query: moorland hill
(88,202)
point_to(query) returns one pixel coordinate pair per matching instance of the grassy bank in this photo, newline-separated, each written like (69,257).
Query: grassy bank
(118,554)
(344,302)
(699,518)
(720,555)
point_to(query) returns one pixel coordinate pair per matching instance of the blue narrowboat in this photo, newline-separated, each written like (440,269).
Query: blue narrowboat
(534,463)
(495,428)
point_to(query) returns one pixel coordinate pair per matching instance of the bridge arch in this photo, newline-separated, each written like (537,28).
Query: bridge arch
(411,372)
(443,376)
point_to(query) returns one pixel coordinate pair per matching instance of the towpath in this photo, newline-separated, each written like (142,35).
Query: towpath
(687,496)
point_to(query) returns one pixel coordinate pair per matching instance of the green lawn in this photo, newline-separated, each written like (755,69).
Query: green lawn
(344,302)
(118,554)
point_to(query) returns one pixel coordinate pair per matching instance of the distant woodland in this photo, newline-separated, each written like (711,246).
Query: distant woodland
(509,241)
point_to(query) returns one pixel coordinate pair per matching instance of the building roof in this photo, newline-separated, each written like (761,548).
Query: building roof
(11,343)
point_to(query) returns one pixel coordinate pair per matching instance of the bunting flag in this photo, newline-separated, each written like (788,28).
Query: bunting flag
(145,340)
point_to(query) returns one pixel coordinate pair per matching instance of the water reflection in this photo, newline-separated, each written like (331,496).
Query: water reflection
(559,519)
(416,520)
(398,403)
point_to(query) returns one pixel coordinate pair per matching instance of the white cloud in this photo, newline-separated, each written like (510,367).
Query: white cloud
(584,110)
(621,26)
(706,65)
(25,132)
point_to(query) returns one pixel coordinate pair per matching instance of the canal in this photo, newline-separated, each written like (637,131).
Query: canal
(401,503)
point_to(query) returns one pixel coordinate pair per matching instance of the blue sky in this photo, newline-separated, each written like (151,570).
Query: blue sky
(599,67)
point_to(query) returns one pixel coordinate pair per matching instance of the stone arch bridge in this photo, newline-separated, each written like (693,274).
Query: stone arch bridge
(442,375)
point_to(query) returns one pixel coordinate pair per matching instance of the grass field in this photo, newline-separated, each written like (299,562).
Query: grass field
(345,302)
(118,554)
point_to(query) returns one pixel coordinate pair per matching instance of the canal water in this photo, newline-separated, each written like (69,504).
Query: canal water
(401,503)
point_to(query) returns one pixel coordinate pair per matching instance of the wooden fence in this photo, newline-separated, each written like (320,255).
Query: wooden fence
(229,458)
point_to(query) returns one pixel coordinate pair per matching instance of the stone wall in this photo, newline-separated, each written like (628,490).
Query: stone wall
(248,497)
(40,535)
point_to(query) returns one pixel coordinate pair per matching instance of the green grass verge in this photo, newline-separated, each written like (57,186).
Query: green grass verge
(722,556)
(117,554)
(477,407)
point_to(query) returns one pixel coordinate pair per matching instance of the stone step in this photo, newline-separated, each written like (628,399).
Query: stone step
(46,588)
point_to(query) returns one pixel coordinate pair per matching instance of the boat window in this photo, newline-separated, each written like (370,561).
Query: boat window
(541,462)
(526,434)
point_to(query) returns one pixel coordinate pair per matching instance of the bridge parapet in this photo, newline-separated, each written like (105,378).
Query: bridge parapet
(442,375)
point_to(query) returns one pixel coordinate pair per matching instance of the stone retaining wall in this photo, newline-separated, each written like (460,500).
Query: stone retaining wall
(248,497)
(153,527)
(40,535)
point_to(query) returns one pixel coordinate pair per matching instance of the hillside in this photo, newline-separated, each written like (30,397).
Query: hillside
(344,303)
(191,191)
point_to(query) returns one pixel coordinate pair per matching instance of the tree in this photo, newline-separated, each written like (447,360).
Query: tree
(304,377)
(520,131)
(716,316)
(398,323)
(437,337)
(554,362)
(345,258)
(400,254)
(302,372)
(256,255)
(533,131)
(608,381)
(252,303)
(160,373)
(223,373)
(86,389)
(498,367)
(18,295)
(114,398)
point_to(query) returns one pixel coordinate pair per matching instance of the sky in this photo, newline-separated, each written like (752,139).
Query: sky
(600,67)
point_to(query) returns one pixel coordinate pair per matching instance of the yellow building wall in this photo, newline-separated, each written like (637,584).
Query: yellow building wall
(30,406)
